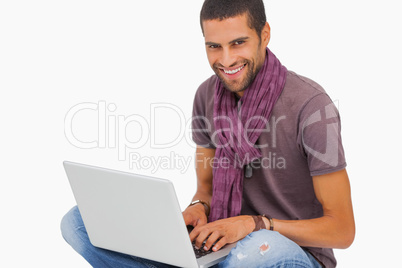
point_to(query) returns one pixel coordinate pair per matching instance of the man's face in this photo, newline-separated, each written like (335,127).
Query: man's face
(235,51)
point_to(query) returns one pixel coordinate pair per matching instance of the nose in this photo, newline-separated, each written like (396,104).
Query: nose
(228,58)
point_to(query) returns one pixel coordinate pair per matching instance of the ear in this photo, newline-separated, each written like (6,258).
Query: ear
(266,34)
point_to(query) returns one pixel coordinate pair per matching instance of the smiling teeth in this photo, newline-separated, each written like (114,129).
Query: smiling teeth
(233,71)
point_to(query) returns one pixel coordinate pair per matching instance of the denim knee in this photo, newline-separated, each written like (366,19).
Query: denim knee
(266,249)
(72,229)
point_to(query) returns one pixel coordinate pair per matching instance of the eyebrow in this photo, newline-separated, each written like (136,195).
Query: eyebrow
(231,42)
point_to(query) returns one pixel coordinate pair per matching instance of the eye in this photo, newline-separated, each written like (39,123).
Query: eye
(239,42)
(214,46)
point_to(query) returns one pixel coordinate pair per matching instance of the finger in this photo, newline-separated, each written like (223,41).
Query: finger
(194,234)
(220,244)
(202,236)
(212,239)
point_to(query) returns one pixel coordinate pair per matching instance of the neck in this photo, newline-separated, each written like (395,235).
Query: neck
(240,94)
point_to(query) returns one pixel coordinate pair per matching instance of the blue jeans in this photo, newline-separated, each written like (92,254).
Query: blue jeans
(259,249)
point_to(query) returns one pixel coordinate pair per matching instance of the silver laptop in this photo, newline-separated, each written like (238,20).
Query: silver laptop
(136,215)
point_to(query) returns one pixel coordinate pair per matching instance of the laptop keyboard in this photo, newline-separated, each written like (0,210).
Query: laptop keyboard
(201,252)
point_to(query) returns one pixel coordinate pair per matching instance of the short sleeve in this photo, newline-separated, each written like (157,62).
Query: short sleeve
(202,125)
(319,136)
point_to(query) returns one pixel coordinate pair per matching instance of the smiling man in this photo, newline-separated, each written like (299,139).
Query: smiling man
(251,115)
(269,160)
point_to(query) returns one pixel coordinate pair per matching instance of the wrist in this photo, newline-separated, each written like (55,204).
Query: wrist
(201,207)
(263,222)
(258,223)
(269,222)
(206,206)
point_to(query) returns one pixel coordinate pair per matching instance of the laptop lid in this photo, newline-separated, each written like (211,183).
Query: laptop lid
(132,214)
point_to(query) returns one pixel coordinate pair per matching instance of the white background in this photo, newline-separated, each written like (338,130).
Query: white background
(55,55)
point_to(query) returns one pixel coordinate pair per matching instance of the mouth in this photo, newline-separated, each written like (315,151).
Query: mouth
(232,71)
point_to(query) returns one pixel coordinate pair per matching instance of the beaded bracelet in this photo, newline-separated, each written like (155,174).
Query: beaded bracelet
(271,222)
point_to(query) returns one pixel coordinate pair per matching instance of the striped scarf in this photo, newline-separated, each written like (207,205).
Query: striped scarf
(238,126)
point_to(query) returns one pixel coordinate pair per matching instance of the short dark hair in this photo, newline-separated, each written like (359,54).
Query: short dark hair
(224,9)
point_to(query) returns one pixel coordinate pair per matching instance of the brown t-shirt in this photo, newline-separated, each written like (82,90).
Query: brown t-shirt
(302,139)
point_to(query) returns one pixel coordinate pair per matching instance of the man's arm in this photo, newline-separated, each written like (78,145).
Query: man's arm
(228,230)
(196,214)
(335,229)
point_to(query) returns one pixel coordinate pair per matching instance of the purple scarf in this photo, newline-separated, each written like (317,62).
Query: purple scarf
(238,128)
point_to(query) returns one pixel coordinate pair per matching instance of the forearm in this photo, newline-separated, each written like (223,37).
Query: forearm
(197,214)
(203,193)
(203,166)
(324,232)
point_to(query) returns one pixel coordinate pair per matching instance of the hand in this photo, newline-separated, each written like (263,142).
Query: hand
(195,215)
(224,231)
